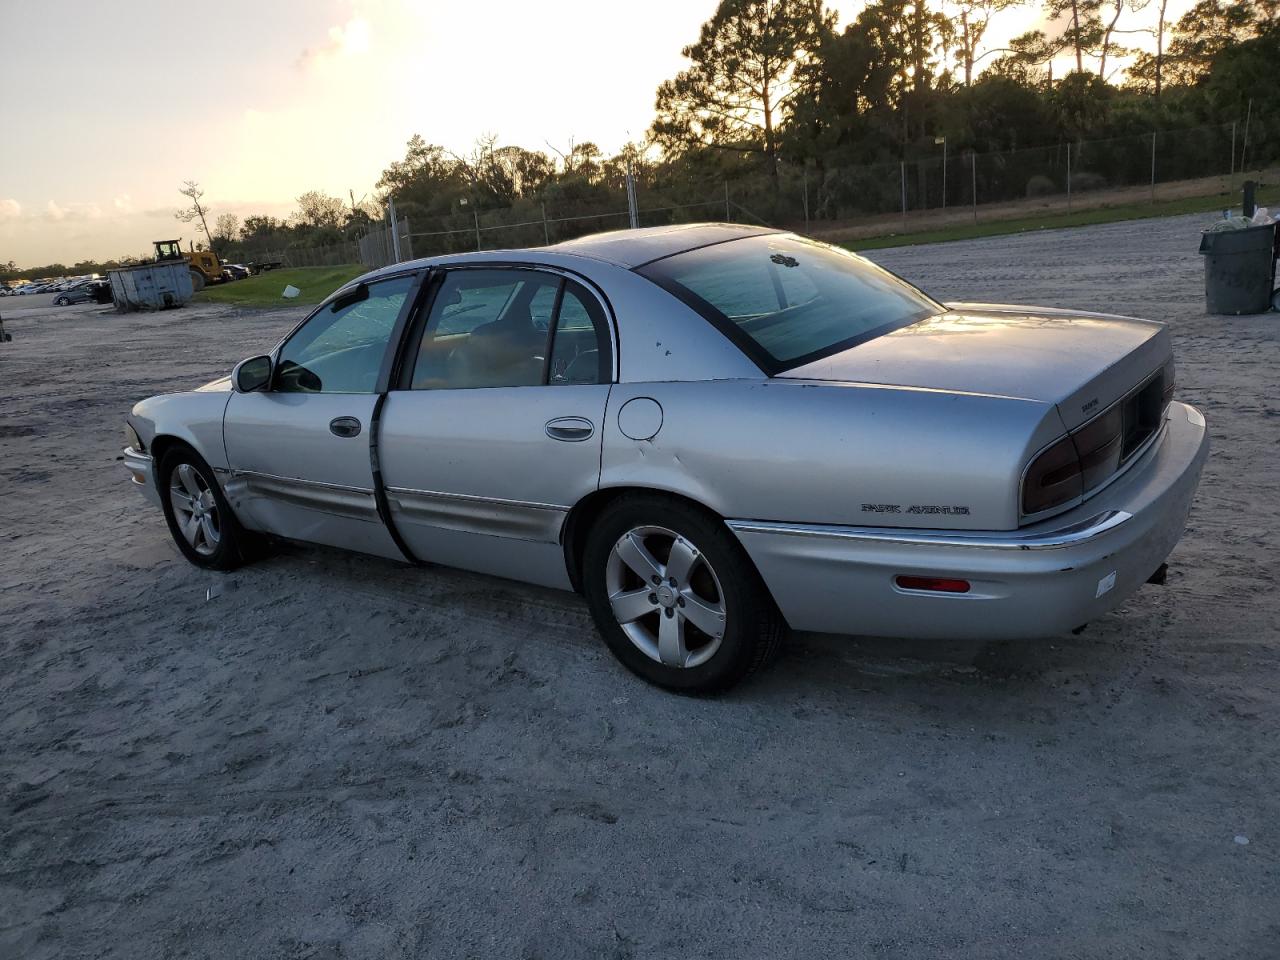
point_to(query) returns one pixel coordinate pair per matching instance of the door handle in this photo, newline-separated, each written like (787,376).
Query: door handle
(344,427)
(570,429)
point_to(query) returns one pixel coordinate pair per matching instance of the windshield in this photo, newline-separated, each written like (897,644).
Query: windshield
(787,301)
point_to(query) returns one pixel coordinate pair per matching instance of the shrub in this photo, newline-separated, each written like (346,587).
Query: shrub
(1086,180)
(1040,186)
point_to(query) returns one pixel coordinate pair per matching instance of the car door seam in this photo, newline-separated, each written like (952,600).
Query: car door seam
(379,487)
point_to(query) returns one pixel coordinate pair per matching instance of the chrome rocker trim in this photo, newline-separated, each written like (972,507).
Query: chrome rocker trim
(515,519)
(1067,536)
(334,498)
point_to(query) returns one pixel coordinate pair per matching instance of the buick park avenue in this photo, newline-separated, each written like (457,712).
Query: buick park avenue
(716,433)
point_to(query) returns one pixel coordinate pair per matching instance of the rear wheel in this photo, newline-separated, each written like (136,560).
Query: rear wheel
(199,518)
(676,597)
(197,280)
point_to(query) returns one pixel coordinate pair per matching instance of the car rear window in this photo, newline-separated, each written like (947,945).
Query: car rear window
(786,301)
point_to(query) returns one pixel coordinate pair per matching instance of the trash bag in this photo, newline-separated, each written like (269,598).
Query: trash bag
(1229,223)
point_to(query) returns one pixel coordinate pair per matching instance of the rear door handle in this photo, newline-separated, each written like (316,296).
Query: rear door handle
(344,427)
(570,429)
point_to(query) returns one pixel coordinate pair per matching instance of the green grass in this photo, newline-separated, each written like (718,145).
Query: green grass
(1047,221)
(316,283)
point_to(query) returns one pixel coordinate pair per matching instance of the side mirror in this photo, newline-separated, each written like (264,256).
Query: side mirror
(251,375)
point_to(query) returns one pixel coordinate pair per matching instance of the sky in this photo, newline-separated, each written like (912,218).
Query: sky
(106,109)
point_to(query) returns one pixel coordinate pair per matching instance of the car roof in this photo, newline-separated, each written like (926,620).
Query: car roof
(621,248)
(633,248)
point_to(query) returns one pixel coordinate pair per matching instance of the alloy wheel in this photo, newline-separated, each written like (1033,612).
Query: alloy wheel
(195,508)
(665,596)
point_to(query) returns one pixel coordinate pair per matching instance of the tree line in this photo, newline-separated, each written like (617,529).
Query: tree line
(776,86)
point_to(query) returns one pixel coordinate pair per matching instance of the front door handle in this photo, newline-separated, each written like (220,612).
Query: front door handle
(570,429)
(344,427)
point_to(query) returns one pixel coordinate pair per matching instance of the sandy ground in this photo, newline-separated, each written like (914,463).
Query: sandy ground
(326,756)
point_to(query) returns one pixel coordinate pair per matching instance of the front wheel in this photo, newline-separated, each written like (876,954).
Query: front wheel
(197,513)
(61,302)
(676,597)
(197,280)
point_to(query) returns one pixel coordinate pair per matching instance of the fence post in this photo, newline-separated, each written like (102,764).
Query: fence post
(973,172)
(903,173)
(633,214)
(728,216)
(1153,167)
(806,195)
(1244,144)
(1231,175)
(944,174)
(476,213)
(1068,176)
(546,233)
(395,233)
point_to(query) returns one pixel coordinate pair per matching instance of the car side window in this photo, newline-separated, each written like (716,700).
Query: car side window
(341,348)
(580,351)
(487,328)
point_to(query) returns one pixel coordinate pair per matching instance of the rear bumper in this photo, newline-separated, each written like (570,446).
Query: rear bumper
(140,467)
(1034,582)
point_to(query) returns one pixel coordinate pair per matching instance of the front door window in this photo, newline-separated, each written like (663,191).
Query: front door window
(341,348)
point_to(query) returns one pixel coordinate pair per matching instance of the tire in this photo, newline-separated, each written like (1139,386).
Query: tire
(197,280)
(209,536)
(714,577)
(61,302)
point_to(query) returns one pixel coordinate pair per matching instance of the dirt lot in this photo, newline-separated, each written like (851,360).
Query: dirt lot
(327,756)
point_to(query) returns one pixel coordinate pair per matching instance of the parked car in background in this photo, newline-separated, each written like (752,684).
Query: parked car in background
(714,432)
(234,271)
(85,292)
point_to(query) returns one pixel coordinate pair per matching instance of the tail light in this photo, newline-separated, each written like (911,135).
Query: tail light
(1090,454)
(1052,478)
(1098,445)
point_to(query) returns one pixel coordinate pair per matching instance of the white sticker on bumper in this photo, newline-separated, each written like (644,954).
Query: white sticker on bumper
(1105,584)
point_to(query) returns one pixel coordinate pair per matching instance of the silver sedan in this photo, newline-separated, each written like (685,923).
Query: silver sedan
(714,432)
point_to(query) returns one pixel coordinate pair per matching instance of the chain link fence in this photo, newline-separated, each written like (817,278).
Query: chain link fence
(867,199)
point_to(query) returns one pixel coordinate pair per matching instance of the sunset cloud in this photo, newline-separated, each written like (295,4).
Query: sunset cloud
(71,211)
(348,40)
(10,209)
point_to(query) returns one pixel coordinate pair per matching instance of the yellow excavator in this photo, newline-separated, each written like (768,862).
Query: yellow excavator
(204,264)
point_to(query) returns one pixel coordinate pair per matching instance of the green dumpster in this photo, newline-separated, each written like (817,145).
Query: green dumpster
(1239,269)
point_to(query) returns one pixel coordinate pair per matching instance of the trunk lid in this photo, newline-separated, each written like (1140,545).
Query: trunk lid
(1082,362)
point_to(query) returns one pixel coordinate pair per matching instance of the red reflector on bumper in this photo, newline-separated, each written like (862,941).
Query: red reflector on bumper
(937,584)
